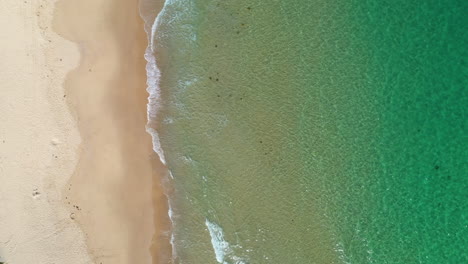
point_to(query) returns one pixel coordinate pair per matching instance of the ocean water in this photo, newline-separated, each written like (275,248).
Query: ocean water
(310,131)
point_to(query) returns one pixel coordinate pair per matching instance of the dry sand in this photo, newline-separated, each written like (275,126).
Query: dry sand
(38,139)
(93,129)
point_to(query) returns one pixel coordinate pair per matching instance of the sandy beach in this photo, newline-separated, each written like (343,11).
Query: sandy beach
(80,181)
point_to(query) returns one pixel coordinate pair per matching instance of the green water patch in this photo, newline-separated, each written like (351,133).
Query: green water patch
(419,76)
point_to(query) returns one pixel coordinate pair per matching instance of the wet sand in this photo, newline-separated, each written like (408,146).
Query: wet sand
(115,193)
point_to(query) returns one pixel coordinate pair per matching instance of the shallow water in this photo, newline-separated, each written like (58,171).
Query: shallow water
(313,131)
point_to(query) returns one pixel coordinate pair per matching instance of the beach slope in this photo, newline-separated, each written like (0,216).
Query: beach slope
(80,181)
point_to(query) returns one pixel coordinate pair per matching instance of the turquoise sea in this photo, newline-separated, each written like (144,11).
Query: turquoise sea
(312,131)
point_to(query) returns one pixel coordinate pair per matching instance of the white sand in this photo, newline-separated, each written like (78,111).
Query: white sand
(38,139)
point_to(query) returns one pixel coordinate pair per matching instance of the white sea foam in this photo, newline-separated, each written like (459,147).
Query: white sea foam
(222,249)
(153,76)
(172,240)
(154,100)
(339,248)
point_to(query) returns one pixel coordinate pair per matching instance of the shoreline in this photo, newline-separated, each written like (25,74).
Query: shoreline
(115,193)
(162,247)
